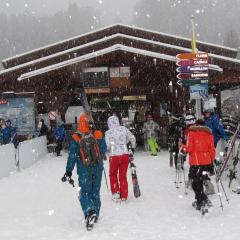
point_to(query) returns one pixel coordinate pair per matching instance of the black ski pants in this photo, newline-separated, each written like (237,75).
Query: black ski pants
(197,176)
(58,147)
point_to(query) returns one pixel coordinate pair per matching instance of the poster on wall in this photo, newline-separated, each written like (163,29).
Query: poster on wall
(114,72)
(21,112)
(124,72)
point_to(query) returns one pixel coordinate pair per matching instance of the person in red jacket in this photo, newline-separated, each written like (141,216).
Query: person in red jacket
(200,146)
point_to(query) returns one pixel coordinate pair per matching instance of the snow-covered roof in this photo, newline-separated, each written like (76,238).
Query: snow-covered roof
(182,49)
(110,26)
(116,47)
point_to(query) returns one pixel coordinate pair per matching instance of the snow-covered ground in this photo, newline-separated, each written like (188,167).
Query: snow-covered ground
(35,204)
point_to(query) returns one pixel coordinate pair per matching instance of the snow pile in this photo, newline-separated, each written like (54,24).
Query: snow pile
(35,204)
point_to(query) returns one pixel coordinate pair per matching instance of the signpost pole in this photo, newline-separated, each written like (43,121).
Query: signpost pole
(194,50)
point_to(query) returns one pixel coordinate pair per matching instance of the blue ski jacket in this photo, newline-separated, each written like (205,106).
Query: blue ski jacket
(217,129)
(60,133)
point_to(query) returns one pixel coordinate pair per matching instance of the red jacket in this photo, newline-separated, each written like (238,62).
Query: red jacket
(200,146)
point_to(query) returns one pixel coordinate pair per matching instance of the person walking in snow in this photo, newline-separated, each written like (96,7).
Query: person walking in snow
(59,136)
(117,138)
(43,129)
(151,130)
(200,146)
(86,152)
(212,121)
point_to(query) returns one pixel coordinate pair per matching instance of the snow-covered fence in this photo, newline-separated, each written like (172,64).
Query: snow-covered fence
(7,159)
(31,151)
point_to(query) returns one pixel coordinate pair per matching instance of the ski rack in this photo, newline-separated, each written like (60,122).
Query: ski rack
(228,153)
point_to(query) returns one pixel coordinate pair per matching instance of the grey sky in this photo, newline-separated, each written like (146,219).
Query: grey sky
(111,10)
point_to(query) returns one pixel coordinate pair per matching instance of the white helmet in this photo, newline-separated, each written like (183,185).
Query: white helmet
(190,119)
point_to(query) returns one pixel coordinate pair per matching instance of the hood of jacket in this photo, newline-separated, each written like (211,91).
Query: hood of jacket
(200,129)
(113,122)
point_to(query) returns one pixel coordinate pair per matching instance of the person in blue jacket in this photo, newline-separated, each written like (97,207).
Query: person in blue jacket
(89,173)
(8,133)
(212,121)
(60,136)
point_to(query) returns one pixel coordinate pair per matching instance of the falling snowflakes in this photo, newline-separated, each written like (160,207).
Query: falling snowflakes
(7,4)
(70,17)
(92,27)
(197,11)
(25,5)
(100,2)
(136,13)
(51,212)
(148,15)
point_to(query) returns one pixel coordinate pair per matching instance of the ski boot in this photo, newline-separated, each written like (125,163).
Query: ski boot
(200,207)
(116,197)
(90,220)
(208,203)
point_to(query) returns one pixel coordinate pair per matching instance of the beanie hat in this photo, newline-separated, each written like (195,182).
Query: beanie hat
(83,125)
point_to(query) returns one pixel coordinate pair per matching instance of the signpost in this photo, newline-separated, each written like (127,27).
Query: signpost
(192,70)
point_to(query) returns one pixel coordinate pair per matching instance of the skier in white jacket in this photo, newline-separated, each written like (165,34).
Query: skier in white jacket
(117,138)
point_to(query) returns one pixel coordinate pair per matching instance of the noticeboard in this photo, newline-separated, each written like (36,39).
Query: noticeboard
(21,112)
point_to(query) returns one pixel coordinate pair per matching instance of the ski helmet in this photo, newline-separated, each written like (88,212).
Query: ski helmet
(190,119)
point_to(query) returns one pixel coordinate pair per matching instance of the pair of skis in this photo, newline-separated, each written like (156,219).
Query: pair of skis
(227,154)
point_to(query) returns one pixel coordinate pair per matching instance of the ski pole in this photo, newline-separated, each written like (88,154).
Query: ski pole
(105,177)
(184,178)
(227,199)
(219,194)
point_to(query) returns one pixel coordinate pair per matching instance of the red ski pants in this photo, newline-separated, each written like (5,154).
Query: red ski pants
(118,174)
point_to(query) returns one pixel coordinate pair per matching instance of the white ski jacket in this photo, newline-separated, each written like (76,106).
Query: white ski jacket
(117,137)
(150,129)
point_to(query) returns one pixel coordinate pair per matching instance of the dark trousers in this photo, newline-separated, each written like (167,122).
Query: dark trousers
(58,147)
(197,176)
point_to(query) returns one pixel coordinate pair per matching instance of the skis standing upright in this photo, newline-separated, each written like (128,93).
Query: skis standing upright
(136,189)
(228,153)
(233,170)
(84,101)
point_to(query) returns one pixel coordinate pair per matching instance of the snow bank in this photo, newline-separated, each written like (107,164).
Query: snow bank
(35,204)
(31,151)
(7,159)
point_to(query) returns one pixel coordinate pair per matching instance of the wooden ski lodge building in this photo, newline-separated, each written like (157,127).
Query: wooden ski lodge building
(116,62)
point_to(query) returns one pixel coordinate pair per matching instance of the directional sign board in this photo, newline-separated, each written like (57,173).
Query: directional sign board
(192,56)
(192,75)
(192,62)
(190,82)
(189,69)
(193,72)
